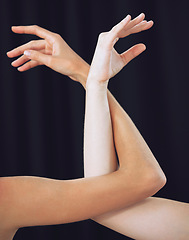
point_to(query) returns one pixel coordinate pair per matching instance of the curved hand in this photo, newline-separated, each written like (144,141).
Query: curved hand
(51,51)
(107,62)
(55,53)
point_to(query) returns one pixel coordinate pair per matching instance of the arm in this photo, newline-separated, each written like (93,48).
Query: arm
(155,214)
(53,52)
(125,187)
(134,155)
(152,218)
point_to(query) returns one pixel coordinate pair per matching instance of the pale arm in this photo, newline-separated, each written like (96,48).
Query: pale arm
(66,60)
(152,218)
(29,201)
(98,137)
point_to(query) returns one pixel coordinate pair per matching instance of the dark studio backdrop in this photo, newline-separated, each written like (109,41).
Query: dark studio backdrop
(42,112)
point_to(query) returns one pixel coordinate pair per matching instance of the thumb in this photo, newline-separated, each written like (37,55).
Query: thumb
(38,56)
(133,52)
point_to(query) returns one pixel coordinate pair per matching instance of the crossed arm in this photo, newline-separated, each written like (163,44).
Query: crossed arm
(129,184)
(152,218)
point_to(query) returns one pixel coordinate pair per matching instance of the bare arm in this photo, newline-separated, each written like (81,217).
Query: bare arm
(158,215)
(152,218)
(38,201)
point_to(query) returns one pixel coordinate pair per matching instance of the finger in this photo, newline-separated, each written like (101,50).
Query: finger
(136,25)
(120,26)
(36,30)
(136,21)
(38,56)
(28,65)
(112,36)
(33,45)
(21,60)
(144,25)
(133,52)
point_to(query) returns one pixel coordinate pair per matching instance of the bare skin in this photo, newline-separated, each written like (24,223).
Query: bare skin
(29,200)
(158,215)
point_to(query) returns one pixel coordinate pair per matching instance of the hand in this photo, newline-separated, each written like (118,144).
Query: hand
(51,51)
(106,61)
(55,53)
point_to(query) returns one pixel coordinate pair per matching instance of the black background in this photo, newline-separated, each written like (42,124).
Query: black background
(42,112)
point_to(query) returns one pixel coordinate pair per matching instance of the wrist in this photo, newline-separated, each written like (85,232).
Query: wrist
(94,84)
(82,73)
(96,81)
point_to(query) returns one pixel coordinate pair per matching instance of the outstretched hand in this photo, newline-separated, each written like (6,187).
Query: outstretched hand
(51,50)
(106,61)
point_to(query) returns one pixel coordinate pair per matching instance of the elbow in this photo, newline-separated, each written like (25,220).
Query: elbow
(154,180)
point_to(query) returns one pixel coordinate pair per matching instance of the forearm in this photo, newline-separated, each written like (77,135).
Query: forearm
(130,145)
(99,153)
(33,201)
(29,201)
(153,218)
(149,218)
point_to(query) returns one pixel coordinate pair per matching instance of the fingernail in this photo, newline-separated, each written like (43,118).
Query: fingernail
(13,63)
(127,17)
(151,22)
(27,53)
(141,14)
(12,27)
